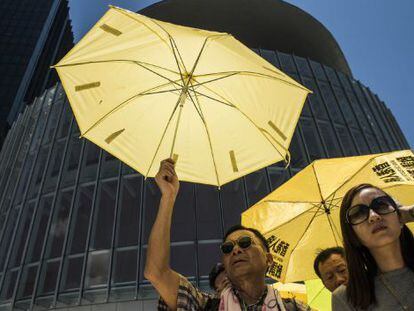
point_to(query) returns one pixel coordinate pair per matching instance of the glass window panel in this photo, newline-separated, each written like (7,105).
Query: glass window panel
(257,187)
(71,165)
(59,225)
(206,263)
(303,66)
(26,284)
(7,235)
(52,122)
(152,200)
(331,75)
(183,259)
(297,151)
(65,121)
(183,222)
(233,202)
(331,103)
(208,213)
(373,143)
(345,107)
(22,234)
(278,176)
(360,141)
(330,140)
(346,140)
(287,62)
(38,172)
(360,115)
(314,100)
(72,273)
(75,128)
(109,165)
(39,229)
(48,277)
(128,219)
(9,284)
(126,170)
(104,216)
(125,266)
(312,139)
(24,178)
(270,56)
(97,268)
(80,220)
(89,162)
(318,70)
(54,166)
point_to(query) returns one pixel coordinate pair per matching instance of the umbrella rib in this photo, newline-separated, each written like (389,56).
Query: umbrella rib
(318,293)
(292,219)
(262,75)
(200,113)
(254,124)
(332,228)
(172,42)
(114,61)
(350,177)
(144,24)
(304,232)
(119,107)
(213,80)
(162,137)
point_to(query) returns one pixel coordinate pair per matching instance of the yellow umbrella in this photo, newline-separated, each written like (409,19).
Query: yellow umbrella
(145,90)
(319,298)
(302,215)
(292,290)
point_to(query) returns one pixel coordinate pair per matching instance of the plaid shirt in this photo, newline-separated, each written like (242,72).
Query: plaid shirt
(190,298)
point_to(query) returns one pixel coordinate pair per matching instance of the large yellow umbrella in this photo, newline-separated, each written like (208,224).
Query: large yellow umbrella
(302,215)
(145,90)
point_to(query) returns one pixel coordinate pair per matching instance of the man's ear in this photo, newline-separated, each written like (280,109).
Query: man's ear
(269,259)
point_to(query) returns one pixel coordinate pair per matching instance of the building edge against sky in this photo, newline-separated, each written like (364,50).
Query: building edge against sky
(35,34)
(74,221)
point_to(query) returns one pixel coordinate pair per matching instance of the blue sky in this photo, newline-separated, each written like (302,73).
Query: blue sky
(376,36)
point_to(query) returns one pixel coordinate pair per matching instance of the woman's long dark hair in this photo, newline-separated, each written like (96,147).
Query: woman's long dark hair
(361,265)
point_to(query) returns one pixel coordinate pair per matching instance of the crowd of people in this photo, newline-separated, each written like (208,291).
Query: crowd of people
(374,270)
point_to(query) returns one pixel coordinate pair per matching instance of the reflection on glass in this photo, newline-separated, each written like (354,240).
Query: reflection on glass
(48,277)
(80,220)
(128,213)
(97,268)
(72,273)
(27,282)
(104,216)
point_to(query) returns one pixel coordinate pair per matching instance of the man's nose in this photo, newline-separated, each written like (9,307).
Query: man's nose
(340,279)
(237,249)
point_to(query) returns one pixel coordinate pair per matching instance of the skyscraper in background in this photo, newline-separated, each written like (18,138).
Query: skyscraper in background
(33,35)
(74,221)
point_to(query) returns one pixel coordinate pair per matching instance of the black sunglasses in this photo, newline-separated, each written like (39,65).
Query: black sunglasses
(243,242)
(359,213)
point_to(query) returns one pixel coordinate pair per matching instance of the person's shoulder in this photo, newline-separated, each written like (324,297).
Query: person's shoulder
(340,292)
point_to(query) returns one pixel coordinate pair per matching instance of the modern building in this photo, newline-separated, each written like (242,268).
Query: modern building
(74,221)
(34,35)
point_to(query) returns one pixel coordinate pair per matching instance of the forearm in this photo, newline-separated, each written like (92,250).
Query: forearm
(158,252)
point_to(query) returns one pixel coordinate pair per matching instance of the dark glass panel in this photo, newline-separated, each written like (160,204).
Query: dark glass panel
(38,172)
(89,162)
(48,277)
(52,123)
(257,186)
(27,282)
(97,268)
(286,60)
(65,121)
(303,66)
(125,266)
(233,202)
(24,178)
(183,259)
(360,142)
(71,165)
(183,223)
(331,75)
(330,140)
(208,213)
(345,107)
(318,70)
(297,151)
(331,103)
(109,165)
(346,140)
(9,284)
(315,100)
(206,263)
(270,56)
(278,176)
(7,235)
(312,139)
(55,161)
(72,273)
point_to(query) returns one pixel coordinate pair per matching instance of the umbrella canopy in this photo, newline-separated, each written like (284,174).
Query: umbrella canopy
(292,290)
(145,90)
(319,298)
(302,215)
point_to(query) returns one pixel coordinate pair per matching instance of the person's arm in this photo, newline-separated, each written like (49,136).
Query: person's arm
(157,267)
(407,213)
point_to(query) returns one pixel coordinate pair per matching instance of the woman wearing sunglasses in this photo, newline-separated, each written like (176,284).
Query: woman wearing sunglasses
(379,251)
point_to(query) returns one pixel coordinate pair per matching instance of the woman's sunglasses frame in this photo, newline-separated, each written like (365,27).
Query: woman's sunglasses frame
(375,206)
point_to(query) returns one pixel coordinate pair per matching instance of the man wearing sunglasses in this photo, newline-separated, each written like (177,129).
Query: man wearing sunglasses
(245,258)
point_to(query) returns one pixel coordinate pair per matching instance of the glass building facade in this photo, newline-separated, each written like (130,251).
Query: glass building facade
(34,34)
(74,221)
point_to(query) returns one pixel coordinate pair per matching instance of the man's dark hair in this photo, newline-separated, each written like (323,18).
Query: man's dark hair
(252,230)
(324,255)
(215,271)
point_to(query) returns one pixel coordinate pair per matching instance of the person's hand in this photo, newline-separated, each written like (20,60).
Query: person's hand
(406,213)
(167,179)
